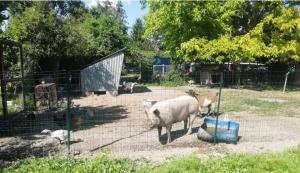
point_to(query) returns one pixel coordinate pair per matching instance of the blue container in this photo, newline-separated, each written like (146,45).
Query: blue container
(162,61)
(227,130)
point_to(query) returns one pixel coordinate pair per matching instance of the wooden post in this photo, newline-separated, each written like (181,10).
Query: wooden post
(3,83)
(285,81)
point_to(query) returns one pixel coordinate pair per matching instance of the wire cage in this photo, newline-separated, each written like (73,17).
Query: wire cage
(100,122)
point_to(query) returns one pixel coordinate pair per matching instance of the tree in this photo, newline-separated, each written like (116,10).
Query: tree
(275,38)
(226,31)
(42,29)
(137,36)
(177,22)
(137,31)
(106,29)
(65,34)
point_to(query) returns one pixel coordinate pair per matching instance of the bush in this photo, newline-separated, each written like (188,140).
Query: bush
(29,102)
(173,78)
(146,70)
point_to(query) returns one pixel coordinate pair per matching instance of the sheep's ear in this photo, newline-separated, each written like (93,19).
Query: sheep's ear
(156,112)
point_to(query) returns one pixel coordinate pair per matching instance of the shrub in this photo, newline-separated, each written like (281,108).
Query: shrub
(173,78)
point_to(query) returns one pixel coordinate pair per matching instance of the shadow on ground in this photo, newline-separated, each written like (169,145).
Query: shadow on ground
(21,139)
(136,89)
(176,134)
(94,116)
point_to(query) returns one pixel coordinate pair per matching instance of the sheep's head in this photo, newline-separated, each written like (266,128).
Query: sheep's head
(46,132)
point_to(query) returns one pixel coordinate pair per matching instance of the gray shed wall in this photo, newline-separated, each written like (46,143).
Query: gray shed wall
(103,75)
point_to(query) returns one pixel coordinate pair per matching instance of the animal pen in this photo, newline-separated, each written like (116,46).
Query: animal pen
(269,120)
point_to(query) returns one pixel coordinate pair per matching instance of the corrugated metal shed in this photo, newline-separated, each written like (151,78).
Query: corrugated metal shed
(103,75)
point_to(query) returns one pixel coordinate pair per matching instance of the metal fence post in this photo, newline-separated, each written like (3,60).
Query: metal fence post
(3,83)
(69,110)
(218,108)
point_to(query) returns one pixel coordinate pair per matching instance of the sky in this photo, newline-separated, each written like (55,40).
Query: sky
(132,8)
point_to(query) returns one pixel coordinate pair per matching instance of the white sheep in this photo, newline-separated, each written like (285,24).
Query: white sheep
(129,86)
(61,135)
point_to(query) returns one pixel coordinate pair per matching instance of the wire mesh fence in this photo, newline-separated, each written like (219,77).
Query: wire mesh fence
(268,118)
(161,69)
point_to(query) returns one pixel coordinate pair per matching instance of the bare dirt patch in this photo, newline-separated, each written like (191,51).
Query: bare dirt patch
(131,137)
(118,124)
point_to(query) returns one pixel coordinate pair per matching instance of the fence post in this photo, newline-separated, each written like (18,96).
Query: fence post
(22,76)
(69,110)
(3,83)
(218,108)
(285,81)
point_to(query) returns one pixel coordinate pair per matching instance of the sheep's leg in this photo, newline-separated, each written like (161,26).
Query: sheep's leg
(169,133)
(192,118)
(185,124)
(159,128)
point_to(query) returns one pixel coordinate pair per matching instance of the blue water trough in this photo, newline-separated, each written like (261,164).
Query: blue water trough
(227,131)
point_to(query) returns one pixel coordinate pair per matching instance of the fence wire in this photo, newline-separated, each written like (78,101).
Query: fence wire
(98,121)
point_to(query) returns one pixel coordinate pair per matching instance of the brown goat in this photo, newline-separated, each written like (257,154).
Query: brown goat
(208,101)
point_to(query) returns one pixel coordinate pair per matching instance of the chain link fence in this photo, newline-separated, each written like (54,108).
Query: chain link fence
(54,105)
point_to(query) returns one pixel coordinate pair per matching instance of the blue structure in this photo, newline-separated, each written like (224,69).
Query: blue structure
(227,131)
(162,61)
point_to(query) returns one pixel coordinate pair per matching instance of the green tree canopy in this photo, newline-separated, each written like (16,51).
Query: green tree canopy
(227,31)
(65,34)
(106,28)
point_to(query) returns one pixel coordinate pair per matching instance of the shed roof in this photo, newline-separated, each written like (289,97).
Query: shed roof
(101,59)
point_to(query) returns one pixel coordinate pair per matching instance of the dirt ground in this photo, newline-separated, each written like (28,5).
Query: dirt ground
(118,124)
(128,135)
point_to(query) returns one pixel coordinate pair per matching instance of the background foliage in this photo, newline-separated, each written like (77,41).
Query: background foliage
(65,34)
(235,31)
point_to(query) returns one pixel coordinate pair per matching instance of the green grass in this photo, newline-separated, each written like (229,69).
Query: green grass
(263,103)
(287,161)
(255,102)
(99,164)
(284,162)
(254,105)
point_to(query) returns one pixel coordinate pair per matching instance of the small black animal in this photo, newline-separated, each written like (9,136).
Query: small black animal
(30,116)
